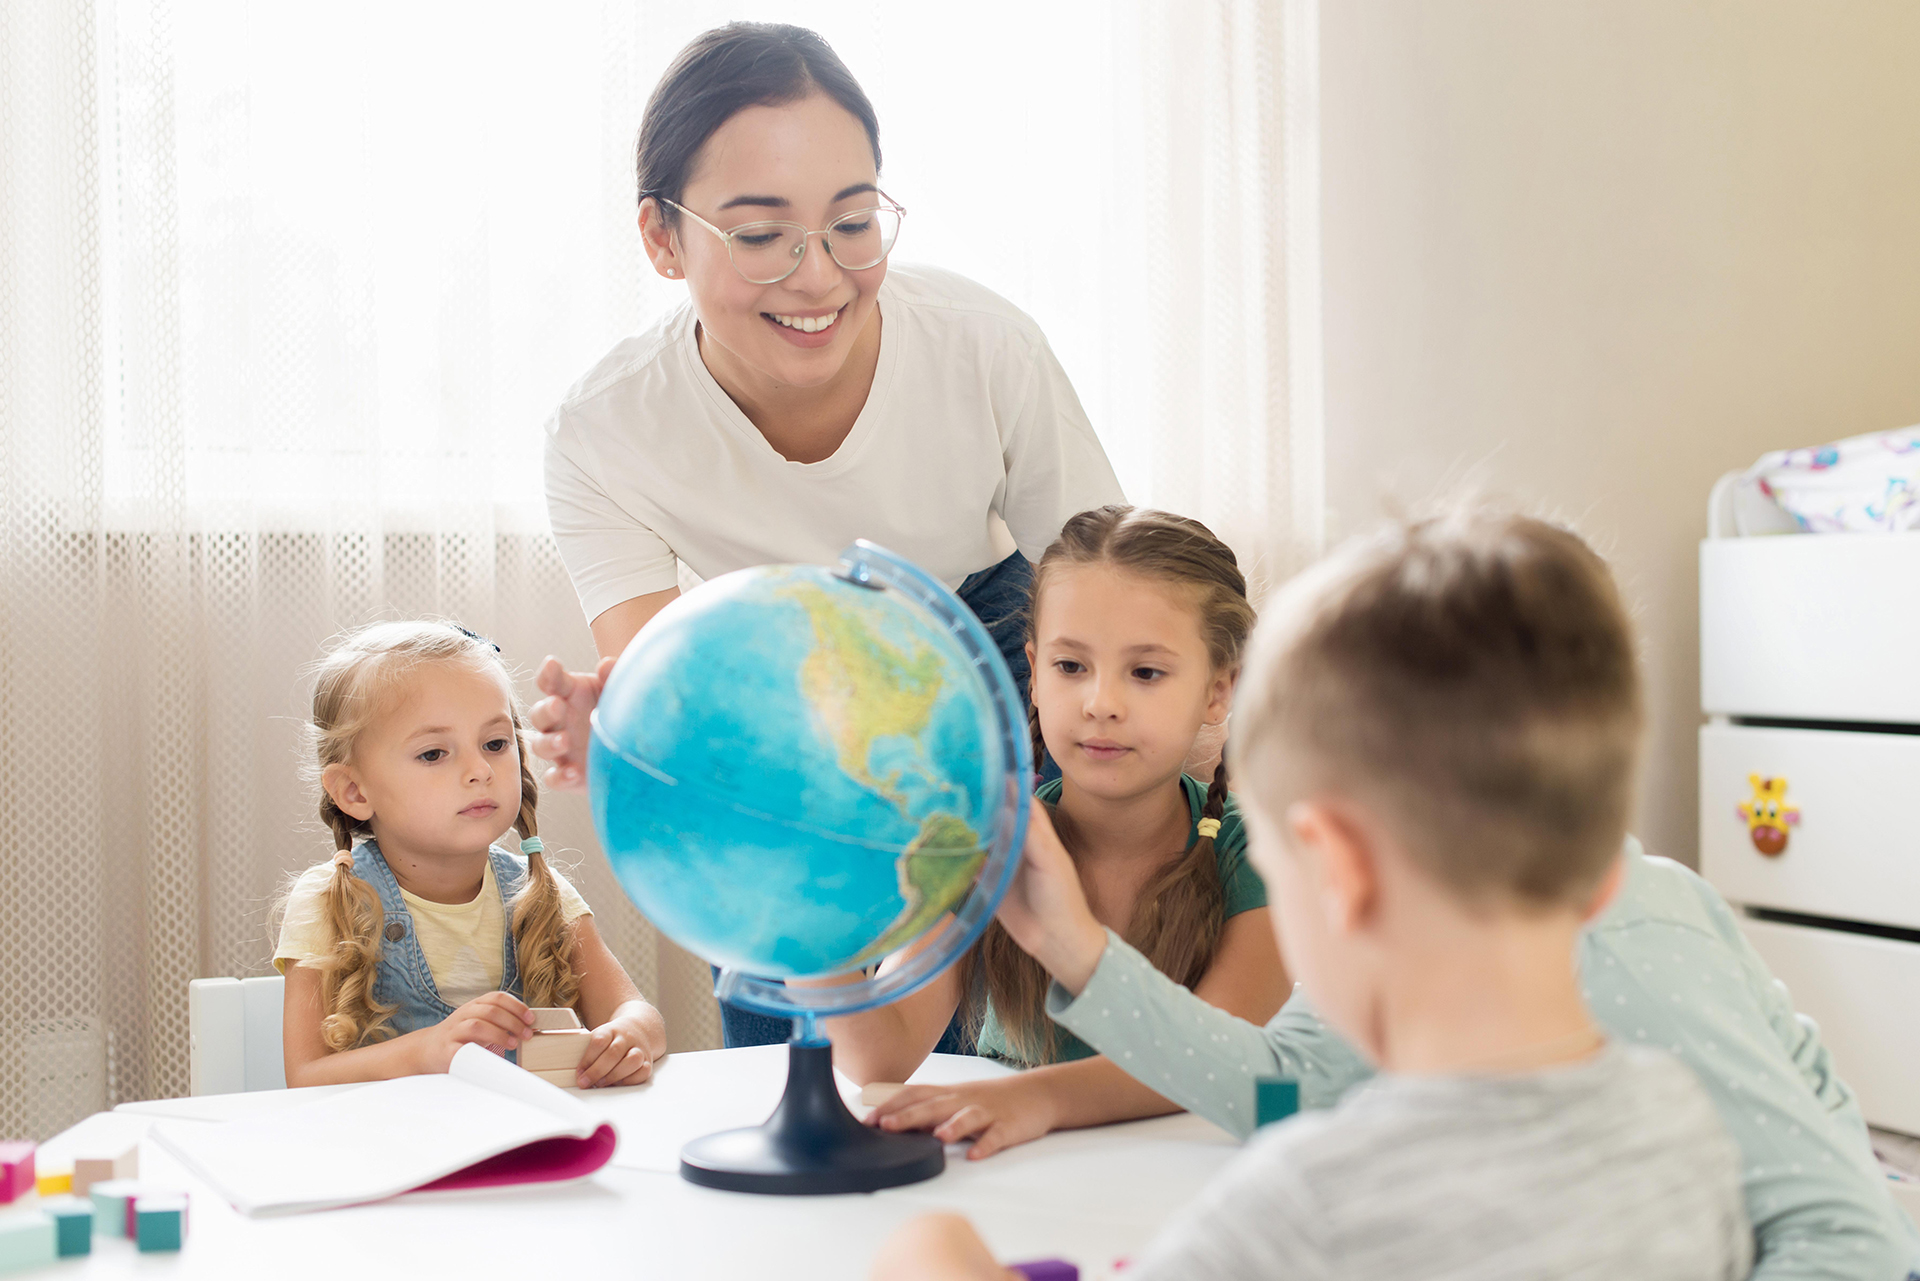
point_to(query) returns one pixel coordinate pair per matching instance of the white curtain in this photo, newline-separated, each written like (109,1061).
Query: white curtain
(287,290)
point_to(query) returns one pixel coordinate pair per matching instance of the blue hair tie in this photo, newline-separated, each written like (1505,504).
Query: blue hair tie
(532,845)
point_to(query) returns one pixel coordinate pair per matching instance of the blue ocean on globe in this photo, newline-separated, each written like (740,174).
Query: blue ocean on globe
(794,775)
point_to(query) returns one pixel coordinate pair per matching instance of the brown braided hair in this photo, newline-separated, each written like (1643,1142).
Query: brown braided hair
(353,684)
(1176,921)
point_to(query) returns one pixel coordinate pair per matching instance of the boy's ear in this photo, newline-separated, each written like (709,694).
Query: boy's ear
(1349,880)
(339,783)
(1606,891)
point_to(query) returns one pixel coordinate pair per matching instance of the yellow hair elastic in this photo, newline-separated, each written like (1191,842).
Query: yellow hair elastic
(1207,828)
(344,858)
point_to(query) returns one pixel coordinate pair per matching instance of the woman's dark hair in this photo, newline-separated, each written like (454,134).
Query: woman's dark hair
(743,64)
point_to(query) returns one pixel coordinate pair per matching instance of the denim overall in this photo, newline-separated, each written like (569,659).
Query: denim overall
(403,978)
(998,597)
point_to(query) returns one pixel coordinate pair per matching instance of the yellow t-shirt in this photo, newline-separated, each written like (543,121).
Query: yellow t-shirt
(462,941)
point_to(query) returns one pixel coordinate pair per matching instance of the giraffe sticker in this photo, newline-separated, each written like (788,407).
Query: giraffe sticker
(1767,814)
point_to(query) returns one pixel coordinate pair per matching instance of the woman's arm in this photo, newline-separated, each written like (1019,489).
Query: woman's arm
(560,719)
(1245,979)
(629,1036)
(496,1020)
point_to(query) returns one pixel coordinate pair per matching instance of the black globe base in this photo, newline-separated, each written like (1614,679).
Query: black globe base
(811,1145)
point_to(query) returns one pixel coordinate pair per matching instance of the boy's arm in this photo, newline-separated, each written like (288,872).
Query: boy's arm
(1197,1056)
(937,1247)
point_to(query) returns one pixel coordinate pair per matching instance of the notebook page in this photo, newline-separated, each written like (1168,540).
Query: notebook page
(380,1140)
(489,1071)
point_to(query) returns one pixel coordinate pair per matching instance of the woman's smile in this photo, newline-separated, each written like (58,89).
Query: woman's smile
(806,328)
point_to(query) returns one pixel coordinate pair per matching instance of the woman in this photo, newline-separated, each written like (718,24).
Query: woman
(806,395)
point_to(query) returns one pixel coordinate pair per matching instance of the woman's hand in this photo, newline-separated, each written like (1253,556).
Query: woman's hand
(619,1052)
(498,1020)
(995,1114)
(561,719)
(1046,910)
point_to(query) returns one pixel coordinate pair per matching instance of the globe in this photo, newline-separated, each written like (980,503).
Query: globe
(797,771)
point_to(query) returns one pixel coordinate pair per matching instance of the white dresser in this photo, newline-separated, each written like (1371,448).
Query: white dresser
(1810,782)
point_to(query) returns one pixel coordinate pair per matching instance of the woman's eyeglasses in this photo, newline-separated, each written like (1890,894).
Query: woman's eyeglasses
(765,253)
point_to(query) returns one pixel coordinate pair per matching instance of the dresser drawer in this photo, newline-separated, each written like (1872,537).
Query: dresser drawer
(1862,992)
(1815,627)
(1846,842)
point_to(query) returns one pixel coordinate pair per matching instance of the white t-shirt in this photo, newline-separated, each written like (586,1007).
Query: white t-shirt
(971,443)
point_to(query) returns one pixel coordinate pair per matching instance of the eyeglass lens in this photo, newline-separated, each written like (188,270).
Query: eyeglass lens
(765,252)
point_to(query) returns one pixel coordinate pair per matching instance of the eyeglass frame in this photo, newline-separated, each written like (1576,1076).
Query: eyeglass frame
(806,236)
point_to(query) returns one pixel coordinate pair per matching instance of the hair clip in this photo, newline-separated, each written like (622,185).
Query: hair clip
(474,636)
(532,845)
(1207,828)
(344,858)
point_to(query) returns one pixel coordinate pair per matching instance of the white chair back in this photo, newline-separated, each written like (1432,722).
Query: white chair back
(233,1030)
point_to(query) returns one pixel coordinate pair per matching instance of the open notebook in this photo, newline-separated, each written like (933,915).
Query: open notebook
(484,1123)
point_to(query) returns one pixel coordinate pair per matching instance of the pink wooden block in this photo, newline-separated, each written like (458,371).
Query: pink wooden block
(16,1169)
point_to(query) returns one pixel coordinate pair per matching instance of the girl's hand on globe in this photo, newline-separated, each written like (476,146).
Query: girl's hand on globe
(498,1020)
(1046,910)
(995,1114)
(561,720)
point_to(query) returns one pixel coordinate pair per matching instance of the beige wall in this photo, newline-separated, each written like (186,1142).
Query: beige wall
(1589,254)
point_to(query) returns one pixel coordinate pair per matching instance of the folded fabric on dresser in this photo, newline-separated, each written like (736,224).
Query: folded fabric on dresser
(1864,484)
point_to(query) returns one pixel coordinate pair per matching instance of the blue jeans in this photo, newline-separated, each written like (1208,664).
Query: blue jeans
(998,596)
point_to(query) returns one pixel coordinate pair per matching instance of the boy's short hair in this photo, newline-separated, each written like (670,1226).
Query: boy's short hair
(1470,678)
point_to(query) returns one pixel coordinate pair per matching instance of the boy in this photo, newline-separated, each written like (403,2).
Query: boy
(1439,728)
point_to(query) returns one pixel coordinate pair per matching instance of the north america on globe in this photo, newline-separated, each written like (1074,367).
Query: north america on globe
(864,689)
(796,775)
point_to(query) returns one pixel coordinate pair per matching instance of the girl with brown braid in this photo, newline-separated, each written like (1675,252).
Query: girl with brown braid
(422,934)
(1133,635)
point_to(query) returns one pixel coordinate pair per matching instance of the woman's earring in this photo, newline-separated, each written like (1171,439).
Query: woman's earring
(672,272)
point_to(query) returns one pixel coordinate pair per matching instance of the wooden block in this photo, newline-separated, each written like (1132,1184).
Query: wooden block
(878,1092)
(553,1018)
(53,1182)
(1274,1099)
(160,1221)
(111,1199)
(565,1078)
(72,1225)
(28,1239)
(16,1169)
(545,1051)
(97,1167)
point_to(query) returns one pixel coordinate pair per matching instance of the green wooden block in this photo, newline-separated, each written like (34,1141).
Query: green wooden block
(27,1240)
(1275,1098)
(110,1200)
(160,1222)
(73,1224)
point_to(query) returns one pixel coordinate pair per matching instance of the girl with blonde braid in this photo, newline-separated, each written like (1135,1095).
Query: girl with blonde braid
(422,934)
(1134,633)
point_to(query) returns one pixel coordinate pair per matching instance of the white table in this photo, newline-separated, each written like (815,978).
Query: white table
(1092,1196)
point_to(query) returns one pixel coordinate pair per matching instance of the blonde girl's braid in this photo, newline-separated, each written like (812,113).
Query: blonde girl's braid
(354,919)
(542,939)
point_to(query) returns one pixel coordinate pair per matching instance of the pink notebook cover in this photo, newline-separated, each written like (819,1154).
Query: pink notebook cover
(545,1161)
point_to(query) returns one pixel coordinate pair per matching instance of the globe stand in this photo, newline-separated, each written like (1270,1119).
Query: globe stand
(811,1145)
